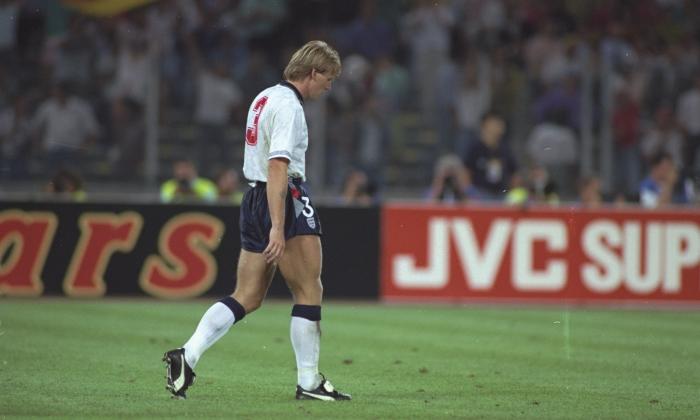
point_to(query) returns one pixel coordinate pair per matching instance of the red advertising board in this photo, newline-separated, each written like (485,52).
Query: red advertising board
(543,254)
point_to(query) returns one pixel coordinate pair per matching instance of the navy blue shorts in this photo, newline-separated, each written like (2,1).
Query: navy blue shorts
(300,217)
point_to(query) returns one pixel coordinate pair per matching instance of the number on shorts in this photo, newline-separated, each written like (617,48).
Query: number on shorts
(308,211)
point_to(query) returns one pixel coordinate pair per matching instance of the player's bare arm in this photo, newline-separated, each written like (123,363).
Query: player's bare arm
(276,198)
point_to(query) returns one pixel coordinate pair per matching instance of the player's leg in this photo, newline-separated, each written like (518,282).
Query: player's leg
(301,267)
(253,279)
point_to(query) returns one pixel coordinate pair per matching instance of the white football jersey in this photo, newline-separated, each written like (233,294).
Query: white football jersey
(276,128)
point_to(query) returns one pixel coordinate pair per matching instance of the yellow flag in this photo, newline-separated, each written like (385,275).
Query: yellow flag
(104,8)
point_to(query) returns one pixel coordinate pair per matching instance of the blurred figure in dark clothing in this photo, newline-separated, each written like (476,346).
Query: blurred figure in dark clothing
(451,182)
(67,184)
(489,160)
(358,189)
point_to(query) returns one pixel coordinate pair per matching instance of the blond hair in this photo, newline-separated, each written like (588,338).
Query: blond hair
(313,55)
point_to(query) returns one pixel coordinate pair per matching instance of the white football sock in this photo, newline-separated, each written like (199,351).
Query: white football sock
(214,324)
(306,340)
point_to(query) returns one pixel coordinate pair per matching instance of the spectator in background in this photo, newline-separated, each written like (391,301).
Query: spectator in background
(685,58)
(368,34)
(15,138)
(186,185)
(74,56)
(560,65)
(128,133)
(689,118)
(67,184)
(235,51)
(544,189)
(489,160)
(541,48)
(626,130)
(9,18)
(209,34)
(218,99)
(355,82)
(165,21)
(133,59)
(517,195)
(448,77)
(620,200)
(348,102)
(426,28)
(257,21)
(358,189)
(507,82)
(451,182)
(391,83)
(561,97)
(553,145)
(472,100)
(69,126)
(103,65)
(228,184)
(616,47)
(650,46)
(370,138)
(589,195)
(484,21)
(258,75)
(660,72)
(663,137)
(8,86)
(656,190)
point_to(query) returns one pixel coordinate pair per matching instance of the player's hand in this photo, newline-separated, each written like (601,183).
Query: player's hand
(275,248)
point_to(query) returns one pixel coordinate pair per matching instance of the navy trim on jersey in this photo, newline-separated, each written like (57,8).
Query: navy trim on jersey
(294,89)
(280,153)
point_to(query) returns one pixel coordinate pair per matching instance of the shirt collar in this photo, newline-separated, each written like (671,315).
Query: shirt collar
(294,89)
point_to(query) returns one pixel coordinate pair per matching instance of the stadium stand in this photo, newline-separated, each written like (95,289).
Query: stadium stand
(417,76)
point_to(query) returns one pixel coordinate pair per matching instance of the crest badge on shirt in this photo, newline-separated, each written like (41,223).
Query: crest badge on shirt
(311,222)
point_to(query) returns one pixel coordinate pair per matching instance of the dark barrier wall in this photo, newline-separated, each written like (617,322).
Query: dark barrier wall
(172,251)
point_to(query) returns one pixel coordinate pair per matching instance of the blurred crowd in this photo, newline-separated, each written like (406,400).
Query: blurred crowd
(498,93)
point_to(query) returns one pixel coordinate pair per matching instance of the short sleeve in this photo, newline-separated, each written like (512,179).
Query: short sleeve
(285,131)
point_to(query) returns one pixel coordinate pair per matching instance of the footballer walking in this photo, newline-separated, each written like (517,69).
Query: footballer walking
(279,227)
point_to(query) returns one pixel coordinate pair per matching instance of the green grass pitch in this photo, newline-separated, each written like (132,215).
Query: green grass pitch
(71,358)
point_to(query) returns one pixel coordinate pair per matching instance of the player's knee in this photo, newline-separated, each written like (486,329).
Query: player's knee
(253,306)
(249,302)
(312,290)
